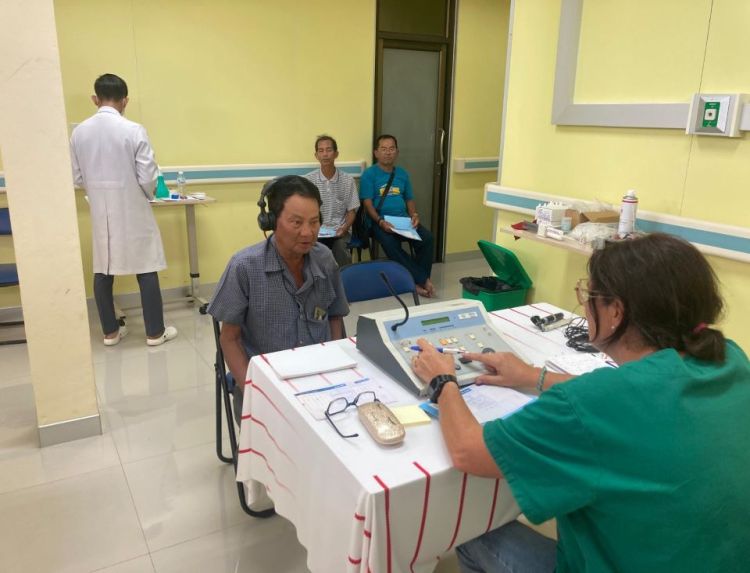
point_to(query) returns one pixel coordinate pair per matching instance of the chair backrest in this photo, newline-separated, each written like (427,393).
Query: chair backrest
(5,221)
(362,281)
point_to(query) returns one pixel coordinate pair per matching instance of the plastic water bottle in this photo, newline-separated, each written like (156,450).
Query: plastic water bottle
(181,182)
(628,209)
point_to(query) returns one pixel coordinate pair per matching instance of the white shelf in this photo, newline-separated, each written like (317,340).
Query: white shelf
(567,244)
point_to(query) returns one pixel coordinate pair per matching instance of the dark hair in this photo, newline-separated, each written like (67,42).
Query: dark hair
(668,290)
(288,185)
(325,137)
(110,87)
(383,136)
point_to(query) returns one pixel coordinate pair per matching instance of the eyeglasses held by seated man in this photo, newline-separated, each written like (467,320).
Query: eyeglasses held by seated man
(339,405)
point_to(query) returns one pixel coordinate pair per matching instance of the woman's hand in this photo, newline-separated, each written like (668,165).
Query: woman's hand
(430,363)
(504,369)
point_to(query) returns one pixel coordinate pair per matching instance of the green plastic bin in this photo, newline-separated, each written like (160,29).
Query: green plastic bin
(509,286)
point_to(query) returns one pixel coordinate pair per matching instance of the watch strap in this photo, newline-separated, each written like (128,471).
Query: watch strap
(437,384)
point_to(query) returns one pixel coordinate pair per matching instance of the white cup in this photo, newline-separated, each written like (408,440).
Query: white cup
(541,229)
(566,223)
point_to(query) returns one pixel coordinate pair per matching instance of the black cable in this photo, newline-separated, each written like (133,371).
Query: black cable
(577,333)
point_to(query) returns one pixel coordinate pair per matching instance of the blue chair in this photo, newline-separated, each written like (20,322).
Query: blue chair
(362,281)
(8,274)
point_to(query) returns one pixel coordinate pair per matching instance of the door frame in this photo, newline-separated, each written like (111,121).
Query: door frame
(445,46)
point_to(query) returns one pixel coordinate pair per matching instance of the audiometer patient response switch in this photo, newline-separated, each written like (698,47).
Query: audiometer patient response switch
(459,324)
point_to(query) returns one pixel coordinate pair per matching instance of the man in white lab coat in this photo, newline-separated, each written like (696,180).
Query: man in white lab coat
(113,160)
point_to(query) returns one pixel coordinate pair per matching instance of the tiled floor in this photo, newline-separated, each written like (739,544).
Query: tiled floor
(149,495)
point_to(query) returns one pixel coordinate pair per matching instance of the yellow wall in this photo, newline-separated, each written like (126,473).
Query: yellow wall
(481,44)
(224,82)
(698,177)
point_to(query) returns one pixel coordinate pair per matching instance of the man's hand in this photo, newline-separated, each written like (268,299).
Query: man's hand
(415,220)
(342,230)
(430,363)
(504,369)
(385,226)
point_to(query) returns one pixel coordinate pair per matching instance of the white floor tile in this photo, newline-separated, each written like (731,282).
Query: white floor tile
(146,426)
(137,565)
(254,546)
(30,466)
(147,373)
(15,364)
(78,524)
(18,426)
(184,495)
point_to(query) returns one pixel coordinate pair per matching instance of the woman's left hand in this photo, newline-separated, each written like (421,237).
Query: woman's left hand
(430,363)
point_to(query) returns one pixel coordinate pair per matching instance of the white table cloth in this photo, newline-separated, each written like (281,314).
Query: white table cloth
(358,506)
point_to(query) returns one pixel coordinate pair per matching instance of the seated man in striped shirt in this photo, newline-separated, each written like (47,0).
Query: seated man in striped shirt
(340,199)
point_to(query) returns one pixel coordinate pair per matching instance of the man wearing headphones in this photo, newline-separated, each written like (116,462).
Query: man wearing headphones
(282,292)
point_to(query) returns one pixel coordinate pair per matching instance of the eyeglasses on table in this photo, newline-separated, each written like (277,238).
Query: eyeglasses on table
(339,405)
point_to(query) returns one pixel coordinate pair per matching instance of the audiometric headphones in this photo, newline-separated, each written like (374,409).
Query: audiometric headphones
(266,219)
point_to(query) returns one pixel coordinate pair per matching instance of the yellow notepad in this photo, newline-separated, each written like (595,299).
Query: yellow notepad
(410,415)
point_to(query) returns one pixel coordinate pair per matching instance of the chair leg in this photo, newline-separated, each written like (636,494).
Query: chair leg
(219,420)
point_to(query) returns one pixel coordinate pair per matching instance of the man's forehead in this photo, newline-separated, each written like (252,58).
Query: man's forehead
(297,205)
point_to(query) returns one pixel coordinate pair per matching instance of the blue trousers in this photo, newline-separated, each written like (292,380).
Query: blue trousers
(512,548)
(420,266)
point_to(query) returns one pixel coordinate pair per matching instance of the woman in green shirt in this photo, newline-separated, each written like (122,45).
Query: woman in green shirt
(645,467)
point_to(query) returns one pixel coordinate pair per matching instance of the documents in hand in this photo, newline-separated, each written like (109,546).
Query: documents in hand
(308,360)
(326,232)
(579,363)
(402,226)
(487,403)
(316,401)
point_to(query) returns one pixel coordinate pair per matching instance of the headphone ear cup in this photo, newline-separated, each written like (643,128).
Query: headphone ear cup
(266,220)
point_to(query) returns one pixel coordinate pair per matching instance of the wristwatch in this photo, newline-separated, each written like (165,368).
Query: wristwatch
(437,383)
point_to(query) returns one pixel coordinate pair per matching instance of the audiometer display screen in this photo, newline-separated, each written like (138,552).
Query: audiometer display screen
(438,320)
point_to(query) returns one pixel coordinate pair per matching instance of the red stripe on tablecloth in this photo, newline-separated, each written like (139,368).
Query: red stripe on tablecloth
(494,502)
(460,513)
(352,340)
(424,514)
(387,520)
(327,381)
(359,517)
(270,469)
(519,312)
(263,356)
(368,534)
(354,561)
(357,373)
(268,433)
(292,385)
(255,386)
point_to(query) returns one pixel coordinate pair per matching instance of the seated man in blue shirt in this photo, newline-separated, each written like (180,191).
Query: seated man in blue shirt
(282,292)
(398,202)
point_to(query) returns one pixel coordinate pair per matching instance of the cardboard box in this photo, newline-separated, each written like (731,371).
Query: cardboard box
(600,216)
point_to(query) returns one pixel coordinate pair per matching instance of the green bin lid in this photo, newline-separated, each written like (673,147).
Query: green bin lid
(505,264)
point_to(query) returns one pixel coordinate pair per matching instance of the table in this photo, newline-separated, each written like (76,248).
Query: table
(193,294)
(361,507)
(189,203)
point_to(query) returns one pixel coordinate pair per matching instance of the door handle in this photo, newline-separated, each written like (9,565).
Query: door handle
(442,141)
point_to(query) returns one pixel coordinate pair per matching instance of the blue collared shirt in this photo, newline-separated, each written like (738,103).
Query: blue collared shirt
(257,292)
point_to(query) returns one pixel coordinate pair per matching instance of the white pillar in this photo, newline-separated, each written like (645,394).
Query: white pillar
(36,160)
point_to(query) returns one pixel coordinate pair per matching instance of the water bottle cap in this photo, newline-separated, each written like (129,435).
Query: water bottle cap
(630,193)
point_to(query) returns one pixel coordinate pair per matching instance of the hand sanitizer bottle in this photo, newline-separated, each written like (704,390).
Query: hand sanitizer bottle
(628,209)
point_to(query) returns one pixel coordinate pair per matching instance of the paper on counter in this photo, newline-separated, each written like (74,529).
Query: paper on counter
(487,403)
(308,360)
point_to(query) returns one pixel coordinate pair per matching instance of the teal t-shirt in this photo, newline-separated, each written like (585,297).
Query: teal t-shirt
(646,467)
(372,184)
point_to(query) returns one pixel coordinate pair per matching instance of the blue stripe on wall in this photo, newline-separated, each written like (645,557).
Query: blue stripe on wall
(2,181)
(492,164)
(513,201)
(699,236)
(259,172)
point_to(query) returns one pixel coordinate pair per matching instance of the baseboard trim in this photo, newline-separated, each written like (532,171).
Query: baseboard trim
(69,430)
(464,256)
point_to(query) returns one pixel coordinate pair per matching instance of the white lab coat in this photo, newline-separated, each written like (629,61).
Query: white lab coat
(113,161)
